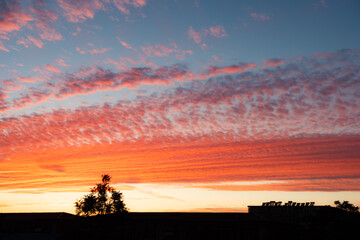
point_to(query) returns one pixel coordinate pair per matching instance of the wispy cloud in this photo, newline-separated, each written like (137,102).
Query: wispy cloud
(123,5)
(51,68)
(3,48)
(127,45)
(215,31)
(273,62)
(79,11)
(161,50)
(53,167)
(93,50)
(37,42)
(260,16)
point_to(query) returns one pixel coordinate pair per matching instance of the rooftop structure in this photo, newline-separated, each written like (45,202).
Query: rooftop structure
(288,204)
(290,211)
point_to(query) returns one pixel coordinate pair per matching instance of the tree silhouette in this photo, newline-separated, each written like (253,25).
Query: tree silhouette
(346,206)
(102,199)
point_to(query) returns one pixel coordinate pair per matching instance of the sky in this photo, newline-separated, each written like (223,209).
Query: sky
(191,105)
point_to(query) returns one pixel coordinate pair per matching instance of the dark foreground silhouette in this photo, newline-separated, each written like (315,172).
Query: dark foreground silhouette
(262,222)
(102,199)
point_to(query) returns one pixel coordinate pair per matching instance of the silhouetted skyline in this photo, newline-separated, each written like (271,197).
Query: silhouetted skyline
(189,105)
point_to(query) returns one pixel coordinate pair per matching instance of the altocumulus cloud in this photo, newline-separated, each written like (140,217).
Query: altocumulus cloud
(282,121)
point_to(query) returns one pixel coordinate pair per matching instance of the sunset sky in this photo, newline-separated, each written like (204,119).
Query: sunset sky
(190,105)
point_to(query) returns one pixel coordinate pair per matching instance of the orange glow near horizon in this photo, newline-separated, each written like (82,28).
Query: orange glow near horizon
(321,160)
(276,166)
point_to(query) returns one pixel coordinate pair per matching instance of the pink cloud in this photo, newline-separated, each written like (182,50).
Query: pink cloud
(141,127)
(9,85)
(241,104)
(52,68)
(93,51)
(38,8)
(321,3)
(119,65)
(217,58)
(32,98)
(161,50)
(273,62)
(99,50)
(80,10)
(51,35)
(78,30)
(157,50)
(44,20)
(13,17)
(61,62)
(24,42)
(3,48)
(218,31)
(241,67)
(93,79)
(127,45)
(26,79)
(323,55)
(247,122)
(196,36)
(204,46)
(3,104)
(80,51)
(122,5)
(260,16)
(215,31)
(37,42)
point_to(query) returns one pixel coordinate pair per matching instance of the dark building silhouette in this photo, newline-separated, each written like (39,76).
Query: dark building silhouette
(36,225)
(156,226)
(289,212)
(272,220)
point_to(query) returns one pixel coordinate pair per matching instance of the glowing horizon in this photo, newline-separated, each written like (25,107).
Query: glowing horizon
(233,105)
